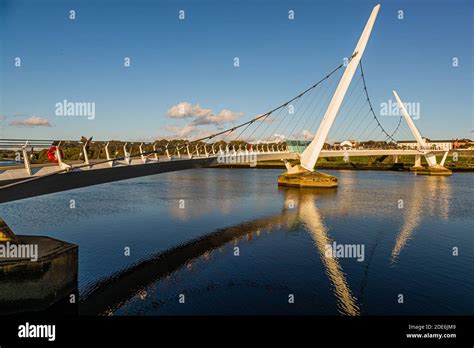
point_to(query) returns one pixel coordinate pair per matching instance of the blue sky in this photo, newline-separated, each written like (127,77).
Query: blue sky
(191,60)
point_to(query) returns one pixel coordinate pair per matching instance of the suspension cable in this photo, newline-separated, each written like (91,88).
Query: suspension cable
(371,108)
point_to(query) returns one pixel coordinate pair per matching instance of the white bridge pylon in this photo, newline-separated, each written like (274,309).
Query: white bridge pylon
(310,155)
(429,156)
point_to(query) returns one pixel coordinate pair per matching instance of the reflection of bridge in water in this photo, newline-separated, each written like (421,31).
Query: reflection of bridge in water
(428,198)
(113,292)
(258,139)
(300,209)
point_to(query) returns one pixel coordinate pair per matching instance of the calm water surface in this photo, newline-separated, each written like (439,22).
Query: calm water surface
(184,228)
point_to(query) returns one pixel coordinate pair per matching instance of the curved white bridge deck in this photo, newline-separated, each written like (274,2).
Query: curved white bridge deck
(16,183)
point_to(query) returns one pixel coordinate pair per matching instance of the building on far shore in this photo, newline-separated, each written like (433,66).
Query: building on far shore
(297,145)
(436,144)
(346,145)
(463,144)
(300,145)
(352,143)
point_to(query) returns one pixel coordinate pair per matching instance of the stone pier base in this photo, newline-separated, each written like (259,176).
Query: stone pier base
(27,285)
(298,176)
(433,170)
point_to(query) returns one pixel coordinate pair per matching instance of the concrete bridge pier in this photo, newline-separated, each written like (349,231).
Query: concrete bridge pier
(433,167)
(417,165)
(36,272)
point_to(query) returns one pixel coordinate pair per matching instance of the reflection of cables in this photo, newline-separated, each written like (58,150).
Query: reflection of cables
(366,272)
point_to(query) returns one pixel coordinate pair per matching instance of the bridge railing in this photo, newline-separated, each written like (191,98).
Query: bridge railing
(91,154)
(19,144)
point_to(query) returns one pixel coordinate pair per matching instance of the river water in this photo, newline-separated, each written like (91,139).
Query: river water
(230,241)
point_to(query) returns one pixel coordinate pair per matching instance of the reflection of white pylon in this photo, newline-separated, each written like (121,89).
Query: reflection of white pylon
(310,155)
(412,219)
(427,198)
(430,157)
(308,212)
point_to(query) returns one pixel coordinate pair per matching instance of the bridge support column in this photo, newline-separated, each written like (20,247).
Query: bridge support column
(143,157)
(444,158)
(107,154)
(417,164)
(84,152)
(127,154)
(168,152)
(395,158)
(287,164)
(189,152)
(61,164)
(26,159)
(155,152)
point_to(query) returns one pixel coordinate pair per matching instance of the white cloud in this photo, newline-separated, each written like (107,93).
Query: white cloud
(181,132)
(201,115)
(307,135)
(274,138)
(225,116)
(278,137)
(186,132)
(185,109)
(33,121)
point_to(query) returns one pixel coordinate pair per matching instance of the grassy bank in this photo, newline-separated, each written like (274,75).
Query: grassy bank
(459,164)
